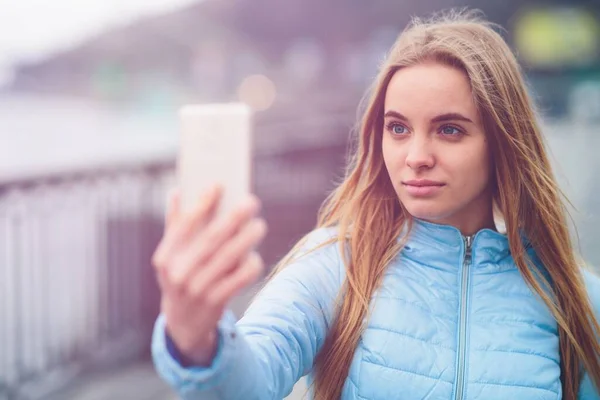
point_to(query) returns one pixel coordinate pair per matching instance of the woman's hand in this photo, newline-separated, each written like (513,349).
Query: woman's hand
(202,262)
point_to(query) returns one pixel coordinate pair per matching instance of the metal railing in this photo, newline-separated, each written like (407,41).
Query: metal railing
(77,288)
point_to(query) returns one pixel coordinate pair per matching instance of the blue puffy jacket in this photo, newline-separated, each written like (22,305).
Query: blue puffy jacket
(453,319)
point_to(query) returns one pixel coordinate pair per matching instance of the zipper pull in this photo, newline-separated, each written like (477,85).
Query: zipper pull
(468,243)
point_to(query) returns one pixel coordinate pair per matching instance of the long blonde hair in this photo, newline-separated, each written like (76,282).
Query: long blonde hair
(364,206)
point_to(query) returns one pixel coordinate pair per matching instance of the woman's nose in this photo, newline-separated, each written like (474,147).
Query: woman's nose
(420,154)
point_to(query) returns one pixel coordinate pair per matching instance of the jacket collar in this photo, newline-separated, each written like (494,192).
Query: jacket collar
(444,245)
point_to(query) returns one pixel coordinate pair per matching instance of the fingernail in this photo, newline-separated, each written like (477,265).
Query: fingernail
(254,201)
(261,226)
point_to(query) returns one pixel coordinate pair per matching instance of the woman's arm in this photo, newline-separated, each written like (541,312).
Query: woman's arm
(275,343)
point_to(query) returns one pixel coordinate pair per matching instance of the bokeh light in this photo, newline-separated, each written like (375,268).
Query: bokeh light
(258,91)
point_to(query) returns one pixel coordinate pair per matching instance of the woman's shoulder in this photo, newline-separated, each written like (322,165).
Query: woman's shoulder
(317,254)
(321,237)
(311,274)
(319,243)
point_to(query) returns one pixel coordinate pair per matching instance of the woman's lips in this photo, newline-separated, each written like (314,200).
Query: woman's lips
(422,187)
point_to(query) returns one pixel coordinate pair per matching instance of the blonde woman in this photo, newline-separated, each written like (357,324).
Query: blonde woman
(406,290)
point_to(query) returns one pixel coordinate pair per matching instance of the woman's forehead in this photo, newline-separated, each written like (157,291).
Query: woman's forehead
(430,89)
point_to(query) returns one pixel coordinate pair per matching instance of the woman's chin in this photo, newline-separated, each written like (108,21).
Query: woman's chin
(431,214)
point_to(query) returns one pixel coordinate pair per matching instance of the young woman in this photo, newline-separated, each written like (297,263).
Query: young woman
(406,290)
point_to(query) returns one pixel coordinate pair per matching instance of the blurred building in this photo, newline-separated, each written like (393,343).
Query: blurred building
(303,49)
(300,50)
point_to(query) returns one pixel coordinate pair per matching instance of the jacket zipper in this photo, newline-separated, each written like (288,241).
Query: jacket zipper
(462,341)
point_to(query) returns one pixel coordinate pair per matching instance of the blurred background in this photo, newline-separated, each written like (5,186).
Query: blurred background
(89,132)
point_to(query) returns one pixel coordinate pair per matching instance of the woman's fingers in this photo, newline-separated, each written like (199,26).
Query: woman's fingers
(182,228)
(219,232)
(171,214)
(230,255)
(186,260)
(248,272)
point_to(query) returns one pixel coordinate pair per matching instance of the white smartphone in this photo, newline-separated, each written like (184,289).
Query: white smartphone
(215,147)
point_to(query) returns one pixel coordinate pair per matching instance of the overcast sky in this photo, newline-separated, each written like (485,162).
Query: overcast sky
(30,29)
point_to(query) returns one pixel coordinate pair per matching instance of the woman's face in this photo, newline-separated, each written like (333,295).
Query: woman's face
(434,147)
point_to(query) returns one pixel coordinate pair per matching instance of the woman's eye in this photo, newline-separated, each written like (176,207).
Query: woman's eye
(397,129)
(450,131)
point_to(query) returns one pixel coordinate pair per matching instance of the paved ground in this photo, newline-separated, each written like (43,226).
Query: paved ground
(136,381)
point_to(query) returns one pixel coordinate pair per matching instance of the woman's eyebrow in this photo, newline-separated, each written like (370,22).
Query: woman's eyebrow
(453,116)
